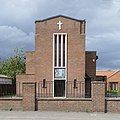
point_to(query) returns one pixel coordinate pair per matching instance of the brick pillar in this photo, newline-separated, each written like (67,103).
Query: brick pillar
(29,96)
(98,96)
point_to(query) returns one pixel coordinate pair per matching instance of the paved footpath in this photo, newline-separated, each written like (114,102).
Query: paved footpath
(14,115)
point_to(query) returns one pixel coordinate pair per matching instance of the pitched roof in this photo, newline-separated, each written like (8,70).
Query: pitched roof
(4,76)
(108,73)
(60,16)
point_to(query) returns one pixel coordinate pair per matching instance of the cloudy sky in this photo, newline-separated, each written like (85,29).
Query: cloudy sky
(102,31)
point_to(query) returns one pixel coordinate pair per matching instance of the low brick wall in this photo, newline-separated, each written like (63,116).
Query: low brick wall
(98,96)
(10,104)
(80,104)
(113,104)
(49,104)
(29,96)
(29,101)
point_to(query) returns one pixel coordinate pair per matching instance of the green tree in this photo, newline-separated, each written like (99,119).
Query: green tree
(13,65)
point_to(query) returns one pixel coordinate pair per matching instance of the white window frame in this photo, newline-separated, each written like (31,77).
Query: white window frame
(114,85)
(65,67)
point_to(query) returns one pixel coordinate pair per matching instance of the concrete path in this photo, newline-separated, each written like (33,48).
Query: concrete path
(14,115)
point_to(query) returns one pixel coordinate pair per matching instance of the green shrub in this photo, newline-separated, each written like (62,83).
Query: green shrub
(113,91)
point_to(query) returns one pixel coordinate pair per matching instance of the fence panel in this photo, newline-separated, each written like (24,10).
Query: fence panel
(7,89)
(45,89)
(112,92)
(74,89)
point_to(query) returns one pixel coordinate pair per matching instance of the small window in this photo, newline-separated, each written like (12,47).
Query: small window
(59,73)
(114,85)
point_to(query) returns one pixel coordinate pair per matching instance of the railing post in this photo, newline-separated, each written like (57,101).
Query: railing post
(98,96)
(29,96)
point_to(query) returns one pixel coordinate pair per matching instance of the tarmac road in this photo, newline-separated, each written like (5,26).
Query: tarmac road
(38,115)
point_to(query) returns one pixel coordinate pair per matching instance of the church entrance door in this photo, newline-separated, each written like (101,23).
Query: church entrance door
(59,88)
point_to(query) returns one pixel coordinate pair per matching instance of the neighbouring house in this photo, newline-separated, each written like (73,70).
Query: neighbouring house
(60,66)
(5,79)
(113,78)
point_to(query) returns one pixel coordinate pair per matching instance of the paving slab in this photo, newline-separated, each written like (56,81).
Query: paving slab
(38,115)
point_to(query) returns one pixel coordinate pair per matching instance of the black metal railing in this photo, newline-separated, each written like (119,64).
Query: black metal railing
(112,92)
(72,89)
(7,90)
(45,89)
(75,89)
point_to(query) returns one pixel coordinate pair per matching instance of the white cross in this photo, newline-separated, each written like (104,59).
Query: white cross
(60,25)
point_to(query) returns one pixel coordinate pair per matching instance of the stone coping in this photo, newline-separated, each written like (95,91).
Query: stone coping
(113,99)
(29,83)
(11,98)
(98,82)
(20,74)
(64,99)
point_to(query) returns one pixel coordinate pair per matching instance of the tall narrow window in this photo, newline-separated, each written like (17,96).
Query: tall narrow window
(59,50)
(64,50)
(55,51)
(59,68)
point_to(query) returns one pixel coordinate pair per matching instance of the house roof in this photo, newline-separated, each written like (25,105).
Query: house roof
(108,73)
(59,16)
(4,76)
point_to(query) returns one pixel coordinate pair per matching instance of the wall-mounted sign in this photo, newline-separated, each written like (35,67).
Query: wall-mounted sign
(59,73)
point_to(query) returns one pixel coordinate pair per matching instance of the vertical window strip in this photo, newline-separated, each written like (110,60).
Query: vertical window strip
(59,50)
(113,86)
(63,50)
(55,50)
(116,86)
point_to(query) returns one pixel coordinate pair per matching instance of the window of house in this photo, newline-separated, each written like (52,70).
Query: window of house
(114,85)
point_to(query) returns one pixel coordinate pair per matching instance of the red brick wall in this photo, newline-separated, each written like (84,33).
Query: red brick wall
(29,96)
(10,104)
(20,78)
(44,48)
(83,105)
(113,104)
(98,102)
(114,78)
(90,64)
(30,62)
(98,96)
(40,62)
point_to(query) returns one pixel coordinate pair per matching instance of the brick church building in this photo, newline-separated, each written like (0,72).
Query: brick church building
(60,66)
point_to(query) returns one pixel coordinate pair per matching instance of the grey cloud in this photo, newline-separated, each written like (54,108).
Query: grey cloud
(107,47)
(102,30)
(11,38)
